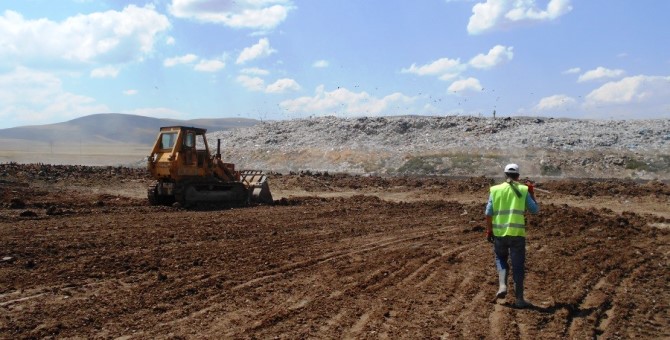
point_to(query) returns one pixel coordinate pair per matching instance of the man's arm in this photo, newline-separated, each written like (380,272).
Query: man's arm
(489,206)
(531,204)
(489,219)
(489,224)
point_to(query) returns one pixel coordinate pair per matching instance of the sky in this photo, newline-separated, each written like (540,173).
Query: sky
(289,59)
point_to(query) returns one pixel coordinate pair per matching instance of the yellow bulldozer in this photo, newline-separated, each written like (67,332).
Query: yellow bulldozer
(185,172)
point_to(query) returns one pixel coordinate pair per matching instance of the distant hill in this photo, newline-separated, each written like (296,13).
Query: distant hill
(114,128)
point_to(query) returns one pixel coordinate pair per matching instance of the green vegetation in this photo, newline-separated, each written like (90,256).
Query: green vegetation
(373,166)
(660,163)
(424,165)
(634,164)
(443,163)
(550,170)
(464,161)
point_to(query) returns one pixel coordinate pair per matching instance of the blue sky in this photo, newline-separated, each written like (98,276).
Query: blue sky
(285,59)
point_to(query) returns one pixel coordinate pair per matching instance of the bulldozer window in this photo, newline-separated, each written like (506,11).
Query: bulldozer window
(167,140)
(189,141)
(200,143)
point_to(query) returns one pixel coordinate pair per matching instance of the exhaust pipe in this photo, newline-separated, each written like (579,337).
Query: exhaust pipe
(218,148)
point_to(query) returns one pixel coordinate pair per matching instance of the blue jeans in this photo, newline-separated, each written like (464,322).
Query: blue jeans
(516,247)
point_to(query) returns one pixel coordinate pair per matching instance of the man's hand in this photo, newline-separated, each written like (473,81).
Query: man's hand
(489,228)
(530,186)
(489,236)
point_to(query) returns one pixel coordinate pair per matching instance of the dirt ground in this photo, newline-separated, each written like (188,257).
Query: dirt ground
(83,255)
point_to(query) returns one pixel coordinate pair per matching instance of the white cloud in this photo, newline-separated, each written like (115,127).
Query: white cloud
(445,68)
(170,41)
(185,59)
(29,97)
(486,15)
(497,55)
(527,10)
(110,37)
(251,83)
(204,65)
(254,14)
(572,70)
(283,85)
(448,69)
(344,101)
(635,97)
(105,72)
(261,49)
(257,84)
(130,92)
(255,71)
(493,13)
(600,73)
(465,85)
(320,64)
(559,101)
(213,65)
(636,89)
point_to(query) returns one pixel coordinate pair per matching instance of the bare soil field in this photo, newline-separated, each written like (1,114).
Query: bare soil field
(28,151)
(83,255)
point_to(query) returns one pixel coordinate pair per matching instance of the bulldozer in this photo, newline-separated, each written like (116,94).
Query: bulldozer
(185,172)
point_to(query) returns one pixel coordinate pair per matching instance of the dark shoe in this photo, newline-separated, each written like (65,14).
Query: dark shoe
(521,303)
(502,292)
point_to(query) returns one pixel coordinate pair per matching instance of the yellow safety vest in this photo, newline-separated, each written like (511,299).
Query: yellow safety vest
(508,209)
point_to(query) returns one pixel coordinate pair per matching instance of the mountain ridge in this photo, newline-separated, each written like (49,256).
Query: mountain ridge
(121,128)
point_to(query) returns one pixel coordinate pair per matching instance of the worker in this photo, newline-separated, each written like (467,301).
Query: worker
(506,229)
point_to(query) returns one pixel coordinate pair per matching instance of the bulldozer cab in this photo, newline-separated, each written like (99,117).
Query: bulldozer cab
(194,148)
(179,151)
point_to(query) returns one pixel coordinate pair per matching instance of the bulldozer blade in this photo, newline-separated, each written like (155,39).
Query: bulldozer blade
(257,183)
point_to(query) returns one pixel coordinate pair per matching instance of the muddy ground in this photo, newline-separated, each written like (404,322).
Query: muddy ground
(83,255)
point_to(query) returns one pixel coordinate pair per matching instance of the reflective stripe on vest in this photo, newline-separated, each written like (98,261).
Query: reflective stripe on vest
(508,210)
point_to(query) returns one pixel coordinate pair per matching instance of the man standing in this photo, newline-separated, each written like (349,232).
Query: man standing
(506,229)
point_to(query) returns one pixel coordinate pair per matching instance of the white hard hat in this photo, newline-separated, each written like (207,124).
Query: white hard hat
(512,169)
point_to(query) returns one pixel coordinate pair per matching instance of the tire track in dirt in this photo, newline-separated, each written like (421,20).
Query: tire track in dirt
(468,305)
(584,315)
(399,280)
(267,276)
(70,289)
(605,299)
(594,301)
(498,321)
(472,302)
(285,273)
(429,263)
(407,276)
(372,283)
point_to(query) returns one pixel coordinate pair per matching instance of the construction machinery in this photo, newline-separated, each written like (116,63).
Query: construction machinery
(185,172)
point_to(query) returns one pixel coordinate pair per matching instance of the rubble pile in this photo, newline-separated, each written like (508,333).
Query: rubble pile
(455,145)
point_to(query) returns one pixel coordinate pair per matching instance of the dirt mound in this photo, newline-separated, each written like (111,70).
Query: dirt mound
(323,181)
(72,173)
(348,266)
(609,187)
